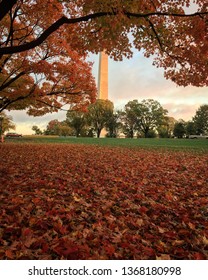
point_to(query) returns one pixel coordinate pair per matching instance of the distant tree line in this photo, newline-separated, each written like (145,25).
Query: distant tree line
(197,126)
(138,119)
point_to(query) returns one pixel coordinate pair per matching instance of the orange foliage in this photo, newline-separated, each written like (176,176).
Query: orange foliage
(48,77)
(177,40)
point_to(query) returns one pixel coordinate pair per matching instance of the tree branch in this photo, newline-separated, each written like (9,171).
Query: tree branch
(8,101)
(64,20)
(63,92)
(165,14)
(155,32)
(5,7)
(5,85)
(55,26)
(52,106)
(4,62)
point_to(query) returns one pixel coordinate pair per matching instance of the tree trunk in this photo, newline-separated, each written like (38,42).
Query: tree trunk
(98,132)
(146,132)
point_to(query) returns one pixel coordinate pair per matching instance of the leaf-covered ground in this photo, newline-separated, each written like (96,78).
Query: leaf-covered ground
(89,202)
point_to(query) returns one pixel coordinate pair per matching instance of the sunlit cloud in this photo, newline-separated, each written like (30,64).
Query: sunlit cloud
(181,111)
(140,80)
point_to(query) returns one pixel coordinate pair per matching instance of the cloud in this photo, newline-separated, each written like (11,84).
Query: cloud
(139,79)
(181,111)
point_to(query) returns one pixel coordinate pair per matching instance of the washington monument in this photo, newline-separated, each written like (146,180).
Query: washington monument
(103,76)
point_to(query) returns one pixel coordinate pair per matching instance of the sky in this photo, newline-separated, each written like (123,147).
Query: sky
(130,79)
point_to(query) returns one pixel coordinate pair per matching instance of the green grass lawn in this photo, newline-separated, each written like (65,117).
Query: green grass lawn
(175,144)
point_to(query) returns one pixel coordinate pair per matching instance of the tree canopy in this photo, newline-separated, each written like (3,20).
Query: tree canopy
(179,129)
(6,123)
(43,79)
(177,38)
(76,120)
(98,114)
(201,120)
(146,118)
(143,117)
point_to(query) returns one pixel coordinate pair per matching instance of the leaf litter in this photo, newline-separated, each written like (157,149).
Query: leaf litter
(90,202)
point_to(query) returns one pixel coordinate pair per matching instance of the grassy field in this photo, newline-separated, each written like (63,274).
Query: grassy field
(175,144)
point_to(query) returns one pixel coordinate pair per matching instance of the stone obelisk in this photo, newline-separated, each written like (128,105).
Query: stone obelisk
(103,76)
